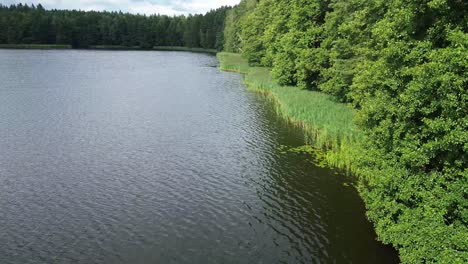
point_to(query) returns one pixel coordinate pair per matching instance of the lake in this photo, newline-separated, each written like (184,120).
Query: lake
(159,157)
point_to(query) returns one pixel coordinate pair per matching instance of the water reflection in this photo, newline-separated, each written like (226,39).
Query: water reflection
(144,157)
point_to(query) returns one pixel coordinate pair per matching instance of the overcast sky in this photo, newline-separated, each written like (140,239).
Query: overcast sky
(168,7)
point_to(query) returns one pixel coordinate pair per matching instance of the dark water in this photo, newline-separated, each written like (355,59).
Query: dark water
(158,157)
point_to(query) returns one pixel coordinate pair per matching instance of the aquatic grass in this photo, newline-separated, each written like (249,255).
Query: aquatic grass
(328,125)
(233,62)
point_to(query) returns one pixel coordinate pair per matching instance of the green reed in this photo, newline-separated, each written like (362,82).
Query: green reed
(328,125)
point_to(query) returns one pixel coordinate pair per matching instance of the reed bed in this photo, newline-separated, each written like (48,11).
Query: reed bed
(328,125)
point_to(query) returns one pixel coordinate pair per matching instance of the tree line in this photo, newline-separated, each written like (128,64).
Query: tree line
(402,64)
(30,24)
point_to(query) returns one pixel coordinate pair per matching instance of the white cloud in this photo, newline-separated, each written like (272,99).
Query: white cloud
(167,7)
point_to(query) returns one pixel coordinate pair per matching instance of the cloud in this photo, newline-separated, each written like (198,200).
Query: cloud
(148,7)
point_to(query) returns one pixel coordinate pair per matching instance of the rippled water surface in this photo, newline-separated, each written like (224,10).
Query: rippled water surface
(158,157)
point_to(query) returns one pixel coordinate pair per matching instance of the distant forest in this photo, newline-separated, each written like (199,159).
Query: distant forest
(30,24)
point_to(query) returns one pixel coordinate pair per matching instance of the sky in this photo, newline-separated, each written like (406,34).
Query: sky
(148,7)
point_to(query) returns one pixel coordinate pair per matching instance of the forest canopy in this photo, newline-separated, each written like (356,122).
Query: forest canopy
(30,24)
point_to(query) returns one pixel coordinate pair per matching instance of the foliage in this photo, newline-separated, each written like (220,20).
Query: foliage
(231,32)
(23,24)
(403,66)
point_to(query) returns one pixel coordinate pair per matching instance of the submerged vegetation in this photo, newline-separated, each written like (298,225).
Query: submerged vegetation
(402,66)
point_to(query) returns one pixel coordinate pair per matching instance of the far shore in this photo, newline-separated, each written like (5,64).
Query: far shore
(103,47)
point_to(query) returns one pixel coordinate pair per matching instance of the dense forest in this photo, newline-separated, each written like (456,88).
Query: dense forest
(403,66)
(23,24)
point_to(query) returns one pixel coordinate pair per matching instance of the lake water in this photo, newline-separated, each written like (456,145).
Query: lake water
(159,157)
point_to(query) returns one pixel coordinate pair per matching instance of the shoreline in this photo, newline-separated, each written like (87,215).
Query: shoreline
(328,124)
(104,47)
(35,46)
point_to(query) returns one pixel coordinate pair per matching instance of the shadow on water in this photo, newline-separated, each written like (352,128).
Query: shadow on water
(315,209)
